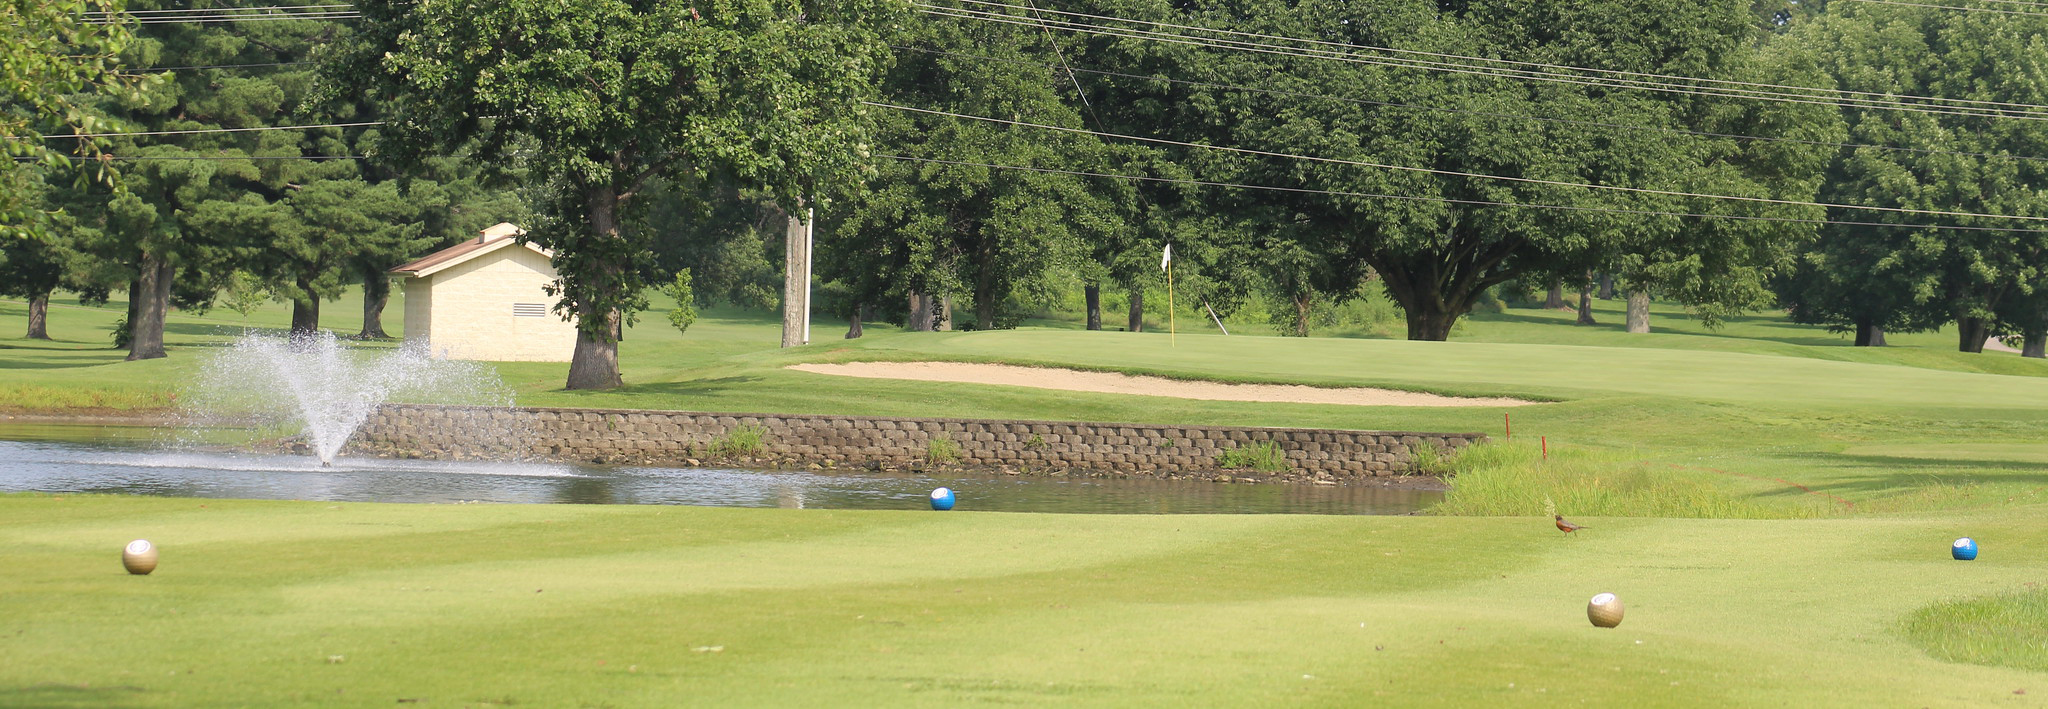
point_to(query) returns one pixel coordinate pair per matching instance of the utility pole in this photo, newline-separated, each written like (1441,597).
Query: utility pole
(796,282)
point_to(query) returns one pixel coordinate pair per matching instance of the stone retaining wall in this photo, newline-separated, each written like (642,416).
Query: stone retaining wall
(1028,446)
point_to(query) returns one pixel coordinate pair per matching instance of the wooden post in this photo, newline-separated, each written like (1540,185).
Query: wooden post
(796,282)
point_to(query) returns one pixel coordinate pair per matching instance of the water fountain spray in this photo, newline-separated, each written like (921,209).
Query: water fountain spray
(328,390)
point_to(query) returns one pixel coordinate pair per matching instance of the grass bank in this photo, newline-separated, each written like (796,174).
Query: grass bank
(319,604)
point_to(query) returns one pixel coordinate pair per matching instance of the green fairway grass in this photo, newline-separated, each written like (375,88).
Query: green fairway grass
(1773,506)
(323,604)
(1760,418)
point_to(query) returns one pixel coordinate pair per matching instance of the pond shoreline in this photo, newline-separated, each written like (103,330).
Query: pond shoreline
(93,417)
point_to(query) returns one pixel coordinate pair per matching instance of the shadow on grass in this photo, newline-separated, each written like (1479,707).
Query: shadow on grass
(690,388)
(64,696)
(220,330)
(57,357)
(1847,460)
(1801,335)
(1886,473)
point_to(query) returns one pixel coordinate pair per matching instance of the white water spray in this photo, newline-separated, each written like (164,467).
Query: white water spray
(327,390)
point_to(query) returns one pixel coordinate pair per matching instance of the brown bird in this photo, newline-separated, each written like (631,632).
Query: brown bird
(1567,527)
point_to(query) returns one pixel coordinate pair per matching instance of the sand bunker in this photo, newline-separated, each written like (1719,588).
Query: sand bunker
(1111,383)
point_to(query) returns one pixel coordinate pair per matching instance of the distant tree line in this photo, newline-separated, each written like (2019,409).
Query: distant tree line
(970,162)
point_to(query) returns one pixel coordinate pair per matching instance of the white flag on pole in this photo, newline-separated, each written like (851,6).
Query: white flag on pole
(1166,257)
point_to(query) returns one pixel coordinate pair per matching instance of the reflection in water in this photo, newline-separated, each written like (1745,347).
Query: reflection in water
(56,466)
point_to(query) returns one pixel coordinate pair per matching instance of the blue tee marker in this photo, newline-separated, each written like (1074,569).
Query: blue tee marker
(942,499)
(1965,549)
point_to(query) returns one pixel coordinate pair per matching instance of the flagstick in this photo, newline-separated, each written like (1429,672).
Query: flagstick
(1172,333)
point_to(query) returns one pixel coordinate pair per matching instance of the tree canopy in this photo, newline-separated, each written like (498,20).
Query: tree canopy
(598,99)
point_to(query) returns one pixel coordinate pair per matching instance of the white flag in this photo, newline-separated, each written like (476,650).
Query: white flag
(1166,257)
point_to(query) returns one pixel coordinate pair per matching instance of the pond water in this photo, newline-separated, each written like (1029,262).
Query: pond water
(142,461)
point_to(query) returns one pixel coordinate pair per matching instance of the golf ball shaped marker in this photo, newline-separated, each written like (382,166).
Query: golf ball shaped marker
(1964,549)
(942,499)
(1604,610)
(139,557)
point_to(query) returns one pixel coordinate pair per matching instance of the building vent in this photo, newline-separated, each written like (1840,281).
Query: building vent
(529,310)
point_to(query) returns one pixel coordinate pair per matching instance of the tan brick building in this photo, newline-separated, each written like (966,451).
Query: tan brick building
(483,300)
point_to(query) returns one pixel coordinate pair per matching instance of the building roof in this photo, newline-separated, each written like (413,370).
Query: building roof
(489,240)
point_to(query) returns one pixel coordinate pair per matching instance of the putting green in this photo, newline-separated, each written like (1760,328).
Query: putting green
(454,605)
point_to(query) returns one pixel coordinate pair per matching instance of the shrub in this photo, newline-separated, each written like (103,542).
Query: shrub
(1257,455)
(743,441)
(942,450)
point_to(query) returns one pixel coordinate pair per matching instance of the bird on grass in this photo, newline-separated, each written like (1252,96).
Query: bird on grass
(1567,527)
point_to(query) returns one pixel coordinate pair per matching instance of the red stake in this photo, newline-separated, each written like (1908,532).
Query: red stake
(1546,446)
(1507,424)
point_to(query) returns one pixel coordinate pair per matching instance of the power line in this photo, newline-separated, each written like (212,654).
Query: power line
(207,157)
(1954,7)
(197,131)
(1491,72)
(187,11)
(1450,200)
(1495,114)
(207,19)
(1539,65)
(149,69)
(1238,45)
(1455,173)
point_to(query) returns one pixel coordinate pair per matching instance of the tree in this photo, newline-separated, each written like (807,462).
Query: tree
(314,233)
(1892,275)
(1856,280)
(145,237)
(58,60)
(610,96)
(32,269)
(729,239)
(1438,241)
(940,222)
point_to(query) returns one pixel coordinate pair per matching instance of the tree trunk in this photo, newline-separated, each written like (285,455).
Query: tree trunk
(1869,334)
(1302,305)
(596,362)
(135,299)
(1971,334)
(1093,294)
(595,365)
(796,283)
(1423,302)
(920,312)
(376,294)
(1429,322)
(1137,321)
(149,300)
(306,312)
(39,317)
(942,315)
(1639,311)
(853,323)
(1607,286)
(984,311)
(1586,306)
(2035,345)
(1555,299)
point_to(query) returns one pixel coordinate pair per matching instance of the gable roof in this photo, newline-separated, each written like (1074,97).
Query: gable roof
(489,240)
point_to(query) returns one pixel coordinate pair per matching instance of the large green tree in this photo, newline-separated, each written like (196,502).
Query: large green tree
(603,97)
(1437,241)
(199,200)
(1937,161)
(938,221)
